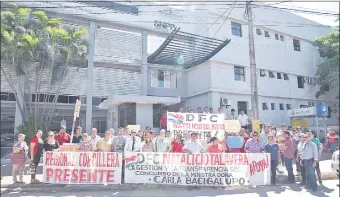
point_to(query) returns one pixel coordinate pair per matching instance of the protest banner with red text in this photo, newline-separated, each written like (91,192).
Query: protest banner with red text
(82,167)
(205,169)
(200,123)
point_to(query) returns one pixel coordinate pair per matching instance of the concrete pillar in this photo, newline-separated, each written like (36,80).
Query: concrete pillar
(144,115)
(89,79)
(144,66)
(20,96)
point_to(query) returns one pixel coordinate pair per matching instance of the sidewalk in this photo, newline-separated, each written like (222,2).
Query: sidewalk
(7,186)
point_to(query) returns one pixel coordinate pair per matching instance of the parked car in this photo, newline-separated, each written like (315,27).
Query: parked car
(335,162)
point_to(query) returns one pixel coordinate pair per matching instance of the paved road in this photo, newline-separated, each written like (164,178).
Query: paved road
(328,190)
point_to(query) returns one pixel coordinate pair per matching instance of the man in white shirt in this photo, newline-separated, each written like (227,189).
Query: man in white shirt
(264,135)
(244,120)
(133,143)
(193,145)
(220,111)
(94,138)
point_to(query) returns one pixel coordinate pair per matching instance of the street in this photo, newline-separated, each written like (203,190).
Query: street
(329,189)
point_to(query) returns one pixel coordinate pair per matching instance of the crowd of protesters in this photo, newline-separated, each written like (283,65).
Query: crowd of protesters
(285,146)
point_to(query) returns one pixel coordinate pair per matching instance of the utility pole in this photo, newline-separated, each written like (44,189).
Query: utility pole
(253,77)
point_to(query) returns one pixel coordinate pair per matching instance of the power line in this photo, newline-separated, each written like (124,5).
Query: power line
(225,18)
(297,10)
(216,20)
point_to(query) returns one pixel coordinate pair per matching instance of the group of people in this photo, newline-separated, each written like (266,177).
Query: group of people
(284,147)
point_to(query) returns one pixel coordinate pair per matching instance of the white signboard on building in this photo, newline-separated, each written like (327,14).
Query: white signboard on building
(308,111)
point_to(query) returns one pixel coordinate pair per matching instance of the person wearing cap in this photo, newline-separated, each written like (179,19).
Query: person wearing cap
(309,157)
(313,138)
(62,137)
(51,144)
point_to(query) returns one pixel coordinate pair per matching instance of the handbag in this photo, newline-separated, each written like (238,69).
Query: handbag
(31,168)
(18,158)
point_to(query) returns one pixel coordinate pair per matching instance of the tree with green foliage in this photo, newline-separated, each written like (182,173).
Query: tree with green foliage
(328,72)
(31,43)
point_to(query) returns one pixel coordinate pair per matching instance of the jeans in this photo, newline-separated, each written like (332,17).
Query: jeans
(303,175)
(289,167)
(273,166)
(318,172)
(297,161)
(310,172)
(282,159)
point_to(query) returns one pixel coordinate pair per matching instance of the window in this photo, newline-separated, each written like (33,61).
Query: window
(285,77)
(242,106)
(239,73)
(288,106)
(266,34)
(282,106)
(258,31)
(279,76)
(263,73)
(296,44)
(272,105)
(281,38)
(236,29)
(301,82)
(271,74)
(276,36)
(264,106)
(163,78)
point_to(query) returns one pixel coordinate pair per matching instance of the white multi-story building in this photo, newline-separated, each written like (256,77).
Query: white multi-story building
(129,88)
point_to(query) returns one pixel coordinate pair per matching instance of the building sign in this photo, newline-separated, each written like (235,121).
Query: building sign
(322,110)
(164,25)
(82,167)
(308,111)
(200,123)
(207,169)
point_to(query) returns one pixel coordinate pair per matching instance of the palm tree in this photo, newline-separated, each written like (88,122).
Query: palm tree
(31,44)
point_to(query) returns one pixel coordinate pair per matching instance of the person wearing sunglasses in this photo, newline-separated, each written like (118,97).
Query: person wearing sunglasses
(254,145)
(133,143)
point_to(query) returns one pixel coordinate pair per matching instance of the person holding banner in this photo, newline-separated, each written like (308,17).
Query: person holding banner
(215,147)
(148,145)
(51,144)
(133,143)
(193,145)
(119,141)
(105,144)
(162,143)
(94,138)
(177,145)
(19,157)
(254,145)
(85,144)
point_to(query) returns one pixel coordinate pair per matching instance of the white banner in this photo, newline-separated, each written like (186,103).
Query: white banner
(200,123)
(82,167)
(206,169)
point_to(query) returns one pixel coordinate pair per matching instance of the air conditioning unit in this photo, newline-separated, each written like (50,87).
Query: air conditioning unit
(225,102)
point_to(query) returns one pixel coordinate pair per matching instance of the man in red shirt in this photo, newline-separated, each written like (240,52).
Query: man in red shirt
(62,136)
(163,121)
(331,140)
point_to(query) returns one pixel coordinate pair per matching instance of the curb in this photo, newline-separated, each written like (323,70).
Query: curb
(52,188)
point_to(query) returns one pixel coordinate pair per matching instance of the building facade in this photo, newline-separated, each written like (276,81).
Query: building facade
(126,89)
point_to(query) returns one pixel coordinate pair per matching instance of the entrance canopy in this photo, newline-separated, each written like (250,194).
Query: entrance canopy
(186,50)
(120,99)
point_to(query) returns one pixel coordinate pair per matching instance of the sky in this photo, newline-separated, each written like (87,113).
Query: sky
(315,6)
